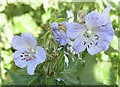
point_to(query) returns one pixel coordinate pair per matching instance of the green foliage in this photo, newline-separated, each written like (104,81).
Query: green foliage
(16,79)
(60,20)
(24,23)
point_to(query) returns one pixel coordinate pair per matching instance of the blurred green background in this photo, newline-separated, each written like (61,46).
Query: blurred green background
(18,16)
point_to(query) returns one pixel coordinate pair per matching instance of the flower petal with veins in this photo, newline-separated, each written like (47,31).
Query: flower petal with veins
(28,53)
(75,30)
(97,34)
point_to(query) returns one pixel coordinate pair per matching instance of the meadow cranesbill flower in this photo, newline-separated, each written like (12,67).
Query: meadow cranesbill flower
(59,34)
(28,53)
(95,36)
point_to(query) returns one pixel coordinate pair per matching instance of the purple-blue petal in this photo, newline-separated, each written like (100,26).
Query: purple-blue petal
(54,26)
(75,30)
(61,37)
(80,44)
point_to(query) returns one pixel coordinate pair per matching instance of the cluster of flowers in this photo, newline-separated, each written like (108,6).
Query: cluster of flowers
(95,35)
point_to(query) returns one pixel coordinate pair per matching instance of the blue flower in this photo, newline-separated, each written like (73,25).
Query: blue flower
(59,34)
(28,53)
(95,36)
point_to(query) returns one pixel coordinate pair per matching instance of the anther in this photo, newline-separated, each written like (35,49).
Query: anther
(21,55)
(24,58)
(26,55)
(84,35)
(84,42)
(26,51)
(96,37)
(96,43)
(88,46)
(28,59)
(34,56)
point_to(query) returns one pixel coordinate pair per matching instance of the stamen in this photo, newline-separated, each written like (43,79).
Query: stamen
(26,55)
(34,56)
(58,29)
(96,43)
(93,41)
(24,58)
(90,43)
(96,37)
(88,46)
(84,35)
(87,36)
(26,51)
(28,59)
(85,42)
(29,49)
(21,55)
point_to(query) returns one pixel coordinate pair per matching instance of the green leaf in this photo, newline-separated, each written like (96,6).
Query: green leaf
(3,19)
(2,82)
(87,75)
(68,73)
(114,43)
(53,19)
(61,20)
(97,73)
(46,16)
(45,35)
(69,79)
(24,23)
(46,42)
(16,79)
(105,73)
(32,80)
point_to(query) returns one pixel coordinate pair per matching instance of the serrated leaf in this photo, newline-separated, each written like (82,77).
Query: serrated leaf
(16,79)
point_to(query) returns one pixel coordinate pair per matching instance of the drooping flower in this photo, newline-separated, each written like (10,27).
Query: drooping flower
(59,34)
(28,53)
(95,36)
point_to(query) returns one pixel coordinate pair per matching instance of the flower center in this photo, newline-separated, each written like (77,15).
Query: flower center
(89,32)
(28,55)
(92,37)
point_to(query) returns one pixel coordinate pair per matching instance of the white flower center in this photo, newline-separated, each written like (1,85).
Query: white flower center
(94,38)
(28,54)
(89,32)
